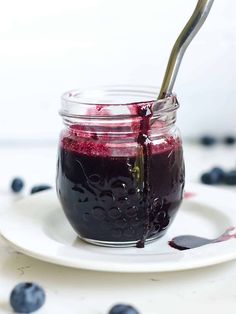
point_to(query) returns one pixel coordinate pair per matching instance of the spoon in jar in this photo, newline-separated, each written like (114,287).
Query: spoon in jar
(188,33)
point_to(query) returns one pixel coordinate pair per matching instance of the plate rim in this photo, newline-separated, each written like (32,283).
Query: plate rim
(121,267)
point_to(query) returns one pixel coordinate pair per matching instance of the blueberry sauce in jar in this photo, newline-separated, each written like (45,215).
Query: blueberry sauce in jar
(120,178)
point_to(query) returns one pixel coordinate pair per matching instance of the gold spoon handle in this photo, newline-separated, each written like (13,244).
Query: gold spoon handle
(190,30)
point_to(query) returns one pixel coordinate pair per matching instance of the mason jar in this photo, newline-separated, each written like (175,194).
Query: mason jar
(120,171)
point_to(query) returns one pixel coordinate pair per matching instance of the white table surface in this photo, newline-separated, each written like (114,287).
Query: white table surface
(88,292)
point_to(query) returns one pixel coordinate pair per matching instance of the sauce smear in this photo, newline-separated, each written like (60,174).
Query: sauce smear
(186,242)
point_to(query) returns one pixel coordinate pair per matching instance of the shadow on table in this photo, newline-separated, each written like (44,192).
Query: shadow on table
(24,268)
(5,308)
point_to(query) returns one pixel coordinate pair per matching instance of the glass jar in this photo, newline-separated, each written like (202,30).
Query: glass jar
(120,174)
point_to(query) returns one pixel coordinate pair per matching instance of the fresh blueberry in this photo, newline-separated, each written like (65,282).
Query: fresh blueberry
(39,188)
(219,173)
(27,297)
(209,178)
(207,140)
(230,177)
(206,178)
(123,309)
(17,185)
(215,176)
(229,140)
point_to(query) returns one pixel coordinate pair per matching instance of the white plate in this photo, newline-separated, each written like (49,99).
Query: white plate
(37,227)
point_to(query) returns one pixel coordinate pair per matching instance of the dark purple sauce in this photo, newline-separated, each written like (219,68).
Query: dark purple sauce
(130,195)
(186,242)
(143,140)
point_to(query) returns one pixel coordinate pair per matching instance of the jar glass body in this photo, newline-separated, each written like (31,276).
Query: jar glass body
(120,171)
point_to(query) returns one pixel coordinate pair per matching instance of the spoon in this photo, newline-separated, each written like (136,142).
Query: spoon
(188,33)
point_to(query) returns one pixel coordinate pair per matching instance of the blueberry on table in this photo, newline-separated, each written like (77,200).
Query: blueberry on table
(17,185)
(39,188)
(123,309)
(209,178)
(206,178)
(230,178)
(229,140)
(207,140)
(219,173)
(27,297)
(215,176)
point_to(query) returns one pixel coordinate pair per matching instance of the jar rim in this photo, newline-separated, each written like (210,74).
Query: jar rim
(114,96)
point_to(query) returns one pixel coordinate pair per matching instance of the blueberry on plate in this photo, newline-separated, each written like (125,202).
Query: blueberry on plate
(207,140)
(230,177)
(39,188)
(17,185)
(27,297)
(229,140)
(123,309)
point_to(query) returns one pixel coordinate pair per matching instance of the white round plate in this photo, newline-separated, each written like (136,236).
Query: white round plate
(37,227)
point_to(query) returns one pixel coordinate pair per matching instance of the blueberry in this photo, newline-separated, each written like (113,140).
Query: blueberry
(209,178)
(206,178)
(230,177)
(207,140)
(27,297)
(123,309)
(219,173)
(229,140)
(39,188)
(17,185)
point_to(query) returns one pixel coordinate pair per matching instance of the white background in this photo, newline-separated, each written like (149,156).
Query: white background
(48,47)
